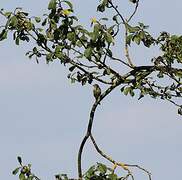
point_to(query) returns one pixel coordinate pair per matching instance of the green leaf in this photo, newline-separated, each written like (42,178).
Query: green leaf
(52,4)
(131,92)
(79,44)
(58,48)
(48,57)
(69,4)
(29,26)
(30,178)
(35,50)
(102,168)
(101,8)
(122,89)
(7,14)
(29,166)
(95,33)
(90,172)
(13,21)
(37,19)
(128,39)
(115,18)
(72,80)
(15,171)
(109,38)
(132,29)
(110,30)
(141,96)
(137,39)
(142,34)
(96,28)
(84,81)
(44,22)
(3,34)
(72,68)
(17,41)
(24,13)
(63,177)
(103,19)
(143,26)
(71,37)
(113,176)
(105,2)
(180,111)
(88,52)
(19,160)
(40,29)
(126,90)
(22,176)
(179,74)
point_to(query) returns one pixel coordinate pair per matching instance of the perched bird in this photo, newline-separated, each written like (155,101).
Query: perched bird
(96,91)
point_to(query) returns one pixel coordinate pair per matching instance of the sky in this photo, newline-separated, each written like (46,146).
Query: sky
(44,117)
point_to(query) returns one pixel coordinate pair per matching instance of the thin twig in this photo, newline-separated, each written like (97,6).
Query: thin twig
(123,165)
(127,50)
(136,7)
(126,34)
(90,123)
(116,9)
(119,60)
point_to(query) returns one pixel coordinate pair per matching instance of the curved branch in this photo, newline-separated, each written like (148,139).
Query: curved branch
(119,14)
(123,165)
(89,128)
(134,12)
(80,155)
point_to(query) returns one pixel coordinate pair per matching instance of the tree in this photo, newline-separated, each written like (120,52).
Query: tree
(89,53)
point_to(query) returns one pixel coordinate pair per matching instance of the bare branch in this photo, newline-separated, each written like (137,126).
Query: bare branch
(127,50)
(135,10)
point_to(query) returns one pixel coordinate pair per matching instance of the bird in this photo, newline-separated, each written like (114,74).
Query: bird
(96,91)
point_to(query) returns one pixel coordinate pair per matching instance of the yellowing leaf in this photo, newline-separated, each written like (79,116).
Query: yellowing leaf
(66,12)
(93,20)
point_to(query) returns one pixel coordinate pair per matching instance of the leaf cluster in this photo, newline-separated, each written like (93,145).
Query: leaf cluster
(89,52)
(24,171)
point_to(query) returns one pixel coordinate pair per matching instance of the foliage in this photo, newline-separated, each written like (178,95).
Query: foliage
(96,172)
(24,171)
(89,54)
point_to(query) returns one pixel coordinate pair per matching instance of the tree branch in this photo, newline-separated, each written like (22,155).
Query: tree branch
(136,7)
(123,165)
(89,128)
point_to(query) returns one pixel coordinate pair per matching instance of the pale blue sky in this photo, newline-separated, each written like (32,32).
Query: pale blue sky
(43,116)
